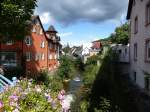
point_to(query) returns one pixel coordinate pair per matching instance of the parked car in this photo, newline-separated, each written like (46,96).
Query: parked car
(6,82)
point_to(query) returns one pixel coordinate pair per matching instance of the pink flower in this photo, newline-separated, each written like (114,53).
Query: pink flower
(61,97)
(62,92)
(16,110)
(1,104)
(49,99)
(53,104)
(14,97)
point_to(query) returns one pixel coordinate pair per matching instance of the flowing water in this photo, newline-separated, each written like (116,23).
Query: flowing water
(73,88)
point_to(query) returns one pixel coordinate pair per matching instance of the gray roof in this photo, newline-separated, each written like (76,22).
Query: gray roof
(51,29)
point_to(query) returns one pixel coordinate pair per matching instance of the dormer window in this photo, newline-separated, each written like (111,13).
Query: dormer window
(28,40)
(33,30)
(41,31)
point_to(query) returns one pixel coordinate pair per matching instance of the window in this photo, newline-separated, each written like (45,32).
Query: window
(136,25)
(125,50)
(148,13)
(53,37)
(10,42)
(135,51)
(42,44)
(55,56)
(28,40)
(28,56)
(51,45)
(147,50)
(41,31)
(147,83)
(8,58)
(55,46)
(50,56)
(37,56)
(33,30)
(120,51)
(42,56)
(134,76)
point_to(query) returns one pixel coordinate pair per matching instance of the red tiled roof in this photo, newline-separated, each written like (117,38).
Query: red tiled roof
(97,45)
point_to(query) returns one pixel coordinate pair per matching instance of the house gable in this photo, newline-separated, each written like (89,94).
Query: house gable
(37,26)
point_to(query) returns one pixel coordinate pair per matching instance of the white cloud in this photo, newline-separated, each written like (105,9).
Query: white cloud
(46,18)
(72,11)
(67,34)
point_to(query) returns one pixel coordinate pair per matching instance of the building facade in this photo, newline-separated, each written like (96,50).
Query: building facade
(139,17)
(122,51)
(35,53)
(96,47)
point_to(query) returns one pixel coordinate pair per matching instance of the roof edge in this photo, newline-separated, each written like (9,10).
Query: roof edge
(129,9)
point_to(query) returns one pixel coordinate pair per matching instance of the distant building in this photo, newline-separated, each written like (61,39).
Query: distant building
(38,51)
(122,51)
(139,17)
(76,51)
(86,54)
(96,48)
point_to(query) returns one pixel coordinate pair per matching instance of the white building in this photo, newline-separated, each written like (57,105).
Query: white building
(139,16)
(123,51)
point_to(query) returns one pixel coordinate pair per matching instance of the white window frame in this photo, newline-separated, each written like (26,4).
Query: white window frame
(55,56)
(43,44)
(41,31)
(28,40)
(28,56)
(37,56)
(33,30)
(50,56)
(42,56)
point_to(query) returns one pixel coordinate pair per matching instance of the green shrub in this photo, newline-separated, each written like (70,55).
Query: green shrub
(92,60)
(89,74)
(66,68)
(43,77)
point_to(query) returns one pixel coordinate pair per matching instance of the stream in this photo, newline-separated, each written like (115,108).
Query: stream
(74,85)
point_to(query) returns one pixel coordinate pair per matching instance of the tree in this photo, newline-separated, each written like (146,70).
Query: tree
(121,35)
(15,16)
(65,69)
(66,49)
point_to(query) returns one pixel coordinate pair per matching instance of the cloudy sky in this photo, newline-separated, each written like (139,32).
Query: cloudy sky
(82,21)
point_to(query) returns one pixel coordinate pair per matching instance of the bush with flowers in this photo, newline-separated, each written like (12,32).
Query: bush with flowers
(28,96)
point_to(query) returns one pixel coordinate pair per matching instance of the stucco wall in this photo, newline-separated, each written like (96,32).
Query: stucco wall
(139,10)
